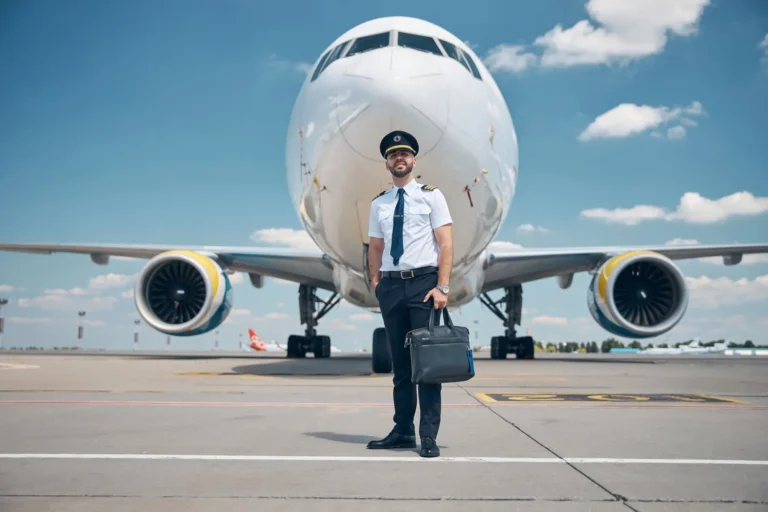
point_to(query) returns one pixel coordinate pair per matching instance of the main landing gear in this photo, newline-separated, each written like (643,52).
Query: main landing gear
(509,343)
(320,345)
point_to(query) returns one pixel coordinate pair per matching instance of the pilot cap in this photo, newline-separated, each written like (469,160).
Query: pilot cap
(398,140)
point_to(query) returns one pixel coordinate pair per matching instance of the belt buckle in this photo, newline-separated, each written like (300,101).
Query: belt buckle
(406,271)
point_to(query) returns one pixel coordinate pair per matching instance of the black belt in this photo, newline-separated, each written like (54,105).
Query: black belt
(408,274)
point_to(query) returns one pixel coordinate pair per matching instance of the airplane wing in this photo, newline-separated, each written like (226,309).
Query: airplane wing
(516,266)
(308,266)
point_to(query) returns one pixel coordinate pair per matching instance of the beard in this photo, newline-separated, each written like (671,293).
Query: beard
(401,173)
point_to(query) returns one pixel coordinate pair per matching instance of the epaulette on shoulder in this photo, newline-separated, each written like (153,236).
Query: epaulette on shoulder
(380,194)
(428,187)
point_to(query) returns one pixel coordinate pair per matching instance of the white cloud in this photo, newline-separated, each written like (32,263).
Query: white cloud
(627,216)
(503,246)
(282,64)
(622,32)
(682,241)
(275,316)
(530,228)
(507,57)
(764,46)
(693,208)
(676,132)
(127,294)
(6,288)
(28,320)
(364,317)
(297,239)
(549,320)
(66,302)
(708,293)
(628,119)
(111,280)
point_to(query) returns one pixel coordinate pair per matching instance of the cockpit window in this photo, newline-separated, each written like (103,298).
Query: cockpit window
(416,42)
(368,43)
(461,57)
(320,65)
(332,56)
(475,71)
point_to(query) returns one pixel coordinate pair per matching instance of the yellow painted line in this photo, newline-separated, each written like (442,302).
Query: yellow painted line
(494,397)
(725,399)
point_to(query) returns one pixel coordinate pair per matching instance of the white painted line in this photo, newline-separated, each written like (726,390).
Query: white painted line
(312,458)
(16,366)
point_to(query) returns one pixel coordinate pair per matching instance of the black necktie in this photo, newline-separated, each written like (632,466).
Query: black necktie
(397,229)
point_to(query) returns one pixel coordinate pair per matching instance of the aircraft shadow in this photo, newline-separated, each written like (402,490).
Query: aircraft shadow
(335,366)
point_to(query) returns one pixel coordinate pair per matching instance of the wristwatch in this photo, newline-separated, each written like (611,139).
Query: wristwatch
(443,288)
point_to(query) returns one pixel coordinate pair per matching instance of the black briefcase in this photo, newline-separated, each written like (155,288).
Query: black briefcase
(440,353)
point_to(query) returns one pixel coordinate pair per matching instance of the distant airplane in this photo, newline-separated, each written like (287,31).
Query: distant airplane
(260,345)
(407,74)
(693,347)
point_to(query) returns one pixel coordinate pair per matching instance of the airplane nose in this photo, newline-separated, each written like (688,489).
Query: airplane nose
(392,89)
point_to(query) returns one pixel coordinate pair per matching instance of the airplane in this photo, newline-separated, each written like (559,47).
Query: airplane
(407,74)
(260,345)
(694,347)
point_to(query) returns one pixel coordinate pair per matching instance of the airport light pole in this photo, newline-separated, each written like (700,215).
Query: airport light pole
(3,302)
(136,334)
(80,315)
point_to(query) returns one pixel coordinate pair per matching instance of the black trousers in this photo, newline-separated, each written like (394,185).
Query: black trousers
(403,309)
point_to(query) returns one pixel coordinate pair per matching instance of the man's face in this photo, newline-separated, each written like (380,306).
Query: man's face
(400,162)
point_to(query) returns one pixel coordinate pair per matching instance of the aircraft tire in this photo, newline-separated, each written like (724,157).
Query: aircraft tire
(499,347)
(525,348)
(294,347)
(322,346)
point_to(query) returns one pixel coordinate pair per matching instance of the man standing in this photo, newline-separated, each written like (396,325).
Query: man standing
(410,258)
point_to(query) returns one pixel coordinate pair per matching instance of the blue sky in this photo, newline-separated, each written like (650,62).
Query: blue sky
(165,122)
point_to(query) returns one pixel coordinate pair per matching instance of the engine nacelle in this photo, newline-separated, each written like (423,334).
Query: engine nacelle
(183,293)
(638,294)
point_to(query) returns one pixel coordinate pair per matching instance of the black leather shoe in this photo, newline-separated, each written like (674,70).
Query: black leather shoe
(429,447)
(393,440)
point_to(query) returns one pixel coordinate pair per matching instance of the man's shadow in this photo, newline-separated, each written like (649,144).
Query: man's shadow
(356,439)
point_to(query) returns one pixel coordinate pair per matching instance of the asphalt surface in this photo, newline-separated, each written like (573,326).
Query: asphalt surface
(226,432)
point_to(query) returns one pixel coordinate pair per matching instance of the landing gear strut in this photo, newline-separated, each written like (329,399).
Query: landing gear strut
(509,343)
(320,345)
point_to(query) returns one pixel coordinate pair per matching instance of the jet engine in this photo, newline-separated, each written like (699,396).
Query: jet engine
(638,294)
(183,293)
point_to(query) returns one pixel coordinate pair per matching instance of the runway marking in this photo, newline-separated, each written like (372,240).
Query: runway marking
(601,397)
(17,366)
(329,458)
(512,404)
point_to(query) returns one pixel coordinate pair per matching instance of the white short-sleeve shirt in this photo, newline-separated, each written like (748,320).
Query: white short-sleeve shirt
(425,210)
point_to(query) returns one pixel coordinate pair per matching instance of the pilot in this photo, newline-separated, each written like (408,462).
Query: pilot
(410,258)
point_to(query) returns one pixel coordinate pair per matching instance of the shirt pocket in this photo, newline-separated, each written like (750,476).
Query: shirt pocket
(418,214)
(386,217)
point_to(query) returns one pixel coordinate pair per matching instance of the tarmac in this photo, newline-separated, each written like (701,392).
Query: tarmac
(231,431)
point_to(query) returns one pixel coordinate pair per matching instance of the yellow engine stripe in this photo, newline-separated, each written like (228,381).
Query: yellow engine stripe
(207,265)
(608,268)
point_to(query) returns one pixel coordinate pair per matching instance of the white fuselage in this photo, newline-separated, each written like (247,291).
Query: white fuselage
(468,148)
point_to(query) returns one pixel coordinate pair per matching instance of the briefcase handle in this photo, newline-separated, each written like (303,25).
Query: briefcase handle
(446,319)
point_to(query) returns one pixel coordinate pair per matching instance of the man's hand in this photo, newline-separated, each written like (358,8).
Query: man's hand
(441,299)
